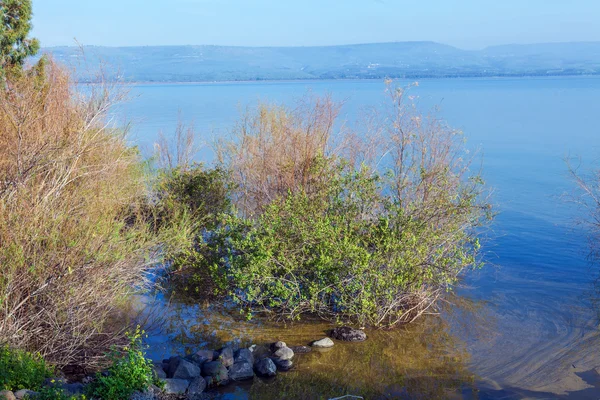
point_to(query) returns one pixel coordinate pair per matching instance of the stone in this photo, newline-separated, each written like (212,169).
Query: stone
(284,353)
(252,348)
(7,395)
(21,394)
(217,371)
(265,368)
(74,389)
(278,345)
(152,393)
(159,372)
(183,369)
(301,349)
(241,371)
(197,386)
(226,356)
(202,356)
(348,334)
(212,368)
(176,386)
(243,355)
(283,365)
(322,343)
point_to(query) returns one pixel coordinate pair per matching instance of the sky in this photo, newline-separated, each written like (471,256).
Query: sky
(468,24)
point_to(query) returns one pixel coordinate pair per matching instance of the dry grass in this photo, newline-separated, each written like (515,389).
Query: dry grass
(68,184)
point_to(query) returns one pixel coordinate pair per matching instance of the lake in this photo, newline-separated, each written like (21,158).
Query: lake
(523,327)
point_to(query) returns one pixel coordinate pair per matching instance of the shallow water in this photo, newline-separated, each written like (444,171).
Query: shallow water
(522,327)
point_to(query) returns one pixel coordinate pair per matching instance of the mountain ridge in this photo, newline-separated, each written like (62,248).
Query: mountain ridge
(416,59)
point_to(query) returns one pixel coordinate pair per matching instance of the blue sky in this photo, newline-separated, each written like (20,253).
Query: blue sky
(469,24)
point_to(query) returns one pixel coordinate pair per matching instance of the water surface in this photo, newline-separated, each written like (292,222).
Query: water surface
(527,329)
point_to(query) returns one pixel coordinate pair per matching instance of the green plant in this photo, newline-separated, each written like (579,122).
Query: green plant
(22,370)
(130,371)
(372,228)
(55,393)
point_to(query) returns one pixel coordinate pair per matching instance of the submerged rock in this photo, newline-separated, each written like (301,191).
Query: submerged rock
(241,371)
(322,343)
(284,353)
(347,334)
(176,386)
(265,368)
(283,365)
(301,349)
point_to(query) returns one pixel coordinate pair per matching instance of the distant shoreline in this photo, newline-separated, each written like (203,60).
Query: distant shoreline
(300,80)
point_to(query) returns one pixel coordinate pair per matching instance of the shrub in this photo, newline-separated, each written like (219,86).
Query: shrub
(130,372)
(22,370)
(71,249)
(374,230)
(55,393)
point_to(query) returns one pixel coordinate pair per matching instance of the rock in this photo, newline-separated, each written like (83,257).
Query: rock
(265,367)
(252,348)
(262,351)
(243,355)
(183,369)
(301,349)
(170,364)
(277,345)
(159,372)
(197,386)
(284,353)
(176,386)
(217,371)
(74,389)
(202,356)
(348,334)
(322,343)
(21,394)
(241,371)
(283,365)
(152,393)
(7,395)
(226,356)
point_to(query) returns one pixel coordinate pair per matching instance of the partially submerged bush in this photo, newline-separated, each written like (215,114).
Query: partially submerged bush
(70,249)
(22,370)
(373,231)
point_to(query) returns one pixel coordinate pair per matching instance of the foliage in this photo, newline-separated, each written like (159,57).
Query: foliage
(56,393)
(352,254)
(15,26)
(21,370)
(72,247)
(130,371)
(371,226)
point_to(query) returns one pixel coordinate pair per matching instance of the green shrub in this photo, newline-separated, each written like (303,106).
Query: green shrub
(353,254)
(56,393)
(21,370)
(130,372)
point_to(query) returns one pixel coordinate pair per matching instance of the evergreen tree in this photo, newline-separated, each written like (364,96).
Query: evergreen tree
(15,46)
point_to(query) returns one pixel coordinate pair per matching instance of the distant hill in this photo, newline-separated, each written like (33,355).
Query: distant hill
(361,61)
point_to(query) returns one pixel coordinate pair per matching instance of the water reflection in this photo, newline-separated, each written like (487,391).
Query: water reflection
(424,360)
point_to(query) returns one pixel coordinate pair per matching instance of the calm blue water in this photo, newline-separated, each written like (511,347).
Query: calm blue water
(536,332)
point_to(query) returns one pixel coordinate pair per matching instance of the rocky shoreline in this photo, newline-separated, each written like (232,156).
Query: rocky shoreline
(192,375)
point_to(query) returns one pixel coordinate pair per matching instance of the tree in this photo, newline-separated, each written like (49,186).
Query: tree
(15,46)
